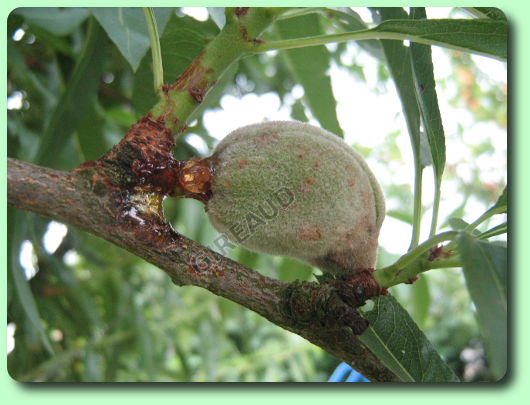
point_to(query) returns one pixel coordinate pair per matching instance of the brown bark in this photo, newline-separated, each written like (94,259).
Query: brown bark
(90,199)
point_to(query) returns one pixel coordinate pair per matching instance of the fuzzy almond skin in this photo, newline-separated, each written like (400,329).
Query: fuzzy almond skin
(292,189)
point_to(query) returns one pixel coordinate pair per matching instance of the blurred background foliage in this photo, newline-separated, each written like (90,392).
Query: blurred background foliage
(80,309)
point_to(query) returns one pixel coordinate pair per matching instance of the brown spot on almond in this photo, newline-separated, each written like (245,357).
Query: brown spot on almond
(367,198)
(309,180)
(269,137)
(309,232)
(301,153)
(317,164)
(351,182)
(242,163)
(266,138)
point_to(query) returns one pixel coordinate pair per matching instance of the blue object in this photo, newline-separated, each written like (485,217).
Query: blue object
(344,373)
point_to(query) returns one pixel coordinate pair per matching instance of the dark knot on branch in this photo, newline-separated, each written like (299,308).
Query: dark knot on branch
(329,305)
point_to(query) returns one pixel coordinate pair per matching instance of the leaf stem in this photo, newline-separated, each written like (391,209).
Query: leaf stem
(416,221)
(318,40)
(450,262)
(296,12)
(489,213)
(156,52)
(411,263)
(361,35)
(435,206)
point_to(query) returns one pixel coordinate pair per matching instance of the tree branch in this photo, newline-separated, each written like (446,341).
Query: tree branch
(131,219)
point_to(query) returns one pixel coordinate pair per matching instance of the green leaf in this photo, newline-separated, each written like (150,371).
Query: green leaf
(487,12)
(484,36)
(421,299)
(181,42)
(459,224)
(398,342)
(398,60)
(16,229)
(127,28)
(496,230)
(397,57)
(500,207)
(57,20)
(308,66)
(77,97)
(90,134)
(298,111)
(425,87)
(425,150)
(485,270)
(502,201)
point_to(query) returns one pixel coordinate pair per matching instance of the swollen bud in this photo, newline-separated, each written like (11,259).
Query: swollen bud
(292,189)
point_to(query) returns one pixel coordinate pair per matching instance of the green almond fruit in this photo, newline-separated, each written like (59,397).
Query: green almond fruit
(292,189)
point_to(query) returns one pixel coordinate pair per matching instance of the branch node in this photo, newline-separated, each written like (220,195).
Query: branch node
(328,305)
(364,285)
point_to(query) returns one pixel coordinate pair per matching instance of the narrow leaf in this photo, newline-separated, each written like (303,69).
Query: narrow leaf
(398,342)
(57,20)
(90,133)
(484,36)
(485,270)
(496,230)
(425,88)
(398,60)
(425,150)
(459,224)
(502,201)
(309,66)
(77,97)
(127,28)
(397,57)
